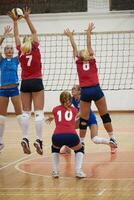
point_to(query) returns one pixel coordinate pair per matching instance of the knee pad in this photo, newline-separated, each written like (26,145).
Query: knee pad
(54,150)
(106,118)
(2,119)
(82,150)
(26,114)
(83,124)
(39,115)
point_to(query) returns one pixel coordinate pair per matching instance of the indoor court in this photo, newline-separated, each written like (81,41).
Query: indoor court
(109,176)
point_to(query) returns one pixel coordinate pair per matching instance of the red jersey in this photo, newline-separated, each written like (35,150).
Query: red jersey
(87,72)
(64,119)
(30,63)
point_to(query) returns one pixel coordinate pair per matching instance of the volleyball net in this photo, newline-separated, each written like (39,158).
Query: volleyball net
(114,52)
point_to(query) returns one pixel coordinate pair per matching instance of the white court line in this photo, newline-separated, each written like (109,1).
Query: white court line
(16,161)
(101,192)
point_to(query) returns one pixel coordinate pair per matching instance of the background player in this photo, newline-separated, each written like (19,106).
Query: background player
(32,89)
(8,84)
(89,83)
(65,134)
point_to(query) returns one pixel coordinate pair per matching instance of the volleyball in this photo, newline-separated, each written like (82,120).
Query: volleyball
(17,12)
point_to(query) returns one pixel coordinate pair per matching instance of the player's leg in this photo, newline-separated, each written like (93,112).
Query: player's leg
(65,150)
(79,154)
(38,102)
(57,141)
(26,99)
(3,111)
(102,108)
(84,115)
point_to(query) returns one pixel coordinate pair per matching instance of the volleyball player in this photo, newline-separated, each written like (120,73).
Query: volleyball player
(92,123)
(65,134)
(8,84)
(90,87)
(32,89)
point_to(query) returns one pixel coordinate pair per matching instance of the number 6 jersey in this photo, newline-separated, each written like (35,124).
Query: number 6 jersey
(87,72)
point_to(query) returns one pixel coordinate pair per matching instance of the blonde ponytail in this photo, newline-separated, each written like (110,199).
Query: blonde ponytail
(26,46)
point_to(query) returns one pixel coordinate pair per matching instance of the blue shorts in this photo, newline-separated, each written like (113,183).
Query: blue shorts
(9,92)
(92,119)
(68,139)
(93,93)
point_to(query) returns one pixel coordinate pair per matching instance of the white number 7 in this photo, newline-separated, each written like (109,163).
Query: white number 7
(29,60)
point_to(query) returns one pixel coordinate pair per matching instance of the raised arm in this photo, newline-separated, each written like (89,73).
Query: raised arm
(16,31)
(27,11)
(7,30)
(69,34)
(88,33)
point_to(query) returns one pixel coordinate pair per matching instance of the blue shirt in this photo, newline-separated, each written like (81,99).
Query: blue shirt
(92,118)
(8,71)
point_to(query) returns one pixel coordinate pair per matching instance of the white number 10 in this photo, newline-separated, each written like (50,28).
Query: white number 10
(68,116)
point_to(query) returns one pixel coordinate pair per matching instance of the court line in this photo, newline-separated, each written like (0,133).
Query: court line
(62,177)
(101,192)
(16,161)
(21,159)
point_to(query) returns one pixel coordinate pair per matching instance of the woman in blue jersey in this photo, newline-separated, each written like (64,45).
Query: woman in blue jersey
(8,84)
(92,123)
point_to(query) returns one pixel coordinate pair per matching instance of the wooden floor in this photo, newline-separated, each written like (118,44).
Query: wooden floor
(109,177)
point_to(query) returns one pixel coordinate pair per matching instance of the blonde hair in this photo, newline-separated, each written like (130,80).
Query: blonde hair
(76,87)
(65,99)
(84,55)
(26,46)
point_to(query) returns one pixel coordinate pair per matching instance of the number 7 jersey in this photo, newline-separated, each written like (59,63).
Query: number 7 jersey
(64,119)
(30,63)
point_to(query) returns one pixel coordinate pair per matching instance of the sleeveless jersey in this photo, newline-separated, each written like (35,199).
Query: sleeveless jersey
(8,71)
(87,72)
(64,119)
(30,63)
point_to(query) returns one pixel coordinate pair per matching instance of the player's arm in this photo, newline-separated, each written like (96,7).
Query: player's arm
(49,119)
(7,30)
(69,34)
(16,31)
(27,11)
(88,33)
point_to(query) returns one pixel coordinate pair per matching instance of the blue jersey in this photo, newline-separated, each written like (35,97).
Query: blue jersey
(8,71)
(92,118)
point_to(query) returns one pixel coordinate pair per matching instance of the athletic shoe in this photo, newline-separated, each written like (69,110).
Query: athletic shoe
(80,174)
(38,145)
(65,150)
(25,146)
(113,145)
(55,174)
(1,147)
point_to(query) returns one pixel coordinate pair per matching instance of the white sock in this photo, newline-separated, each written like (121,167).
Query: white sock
(111,135)
(23,121)
(82,139)
(100,140)
(2,127)
(55,161)
(78,161)
(39,129)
